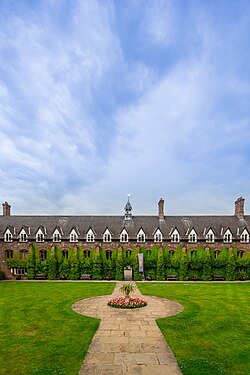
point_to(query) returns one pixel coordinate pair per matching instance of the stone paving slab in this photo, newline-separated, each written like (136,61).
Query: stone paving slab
(128,341)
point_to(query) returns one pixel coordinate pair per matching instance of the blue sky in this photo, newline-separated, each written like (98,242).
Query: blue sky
(99,99)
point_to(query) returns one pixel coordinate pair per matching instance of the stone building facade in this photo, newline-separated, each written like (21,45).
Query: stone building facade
(18,233)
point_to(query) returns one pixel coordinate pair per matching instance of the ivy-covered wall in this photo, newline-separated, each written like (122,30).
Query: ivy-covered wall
(159,263)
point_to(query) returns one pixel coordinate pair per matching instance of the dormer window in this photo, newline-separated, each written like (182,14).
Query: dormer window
(8,236)
(73,237)
(158,236)
(23,236)
(106,236)
(39,236)
(210,236)
(141,236)
(175,237)
(124,236)
(90,236)
(228,236)
(192,237)
(56,236)
(244,236)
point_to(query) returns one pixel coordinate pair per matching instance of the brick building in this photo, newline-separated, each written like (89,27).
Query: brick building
(17,233)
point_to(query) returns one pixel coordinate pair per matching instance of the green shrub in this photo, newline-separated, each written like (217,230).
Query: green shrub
(119,274)
(2,275)
(160,271)
(97,266)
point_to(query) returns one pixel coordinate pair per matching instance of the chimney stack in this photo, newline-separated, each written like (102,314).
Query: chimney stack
(6,209)
(239,208)
(161,209)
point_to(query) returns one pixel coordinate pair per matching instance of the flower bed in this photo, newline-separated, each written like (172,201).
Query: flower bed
(127,303)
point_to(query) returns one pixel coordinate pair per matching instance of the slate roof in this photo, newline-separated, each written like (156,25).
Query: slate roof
(115,224)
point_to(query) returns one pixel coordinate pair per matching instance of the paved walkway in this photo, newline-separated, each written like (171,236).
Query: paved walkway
(128,341)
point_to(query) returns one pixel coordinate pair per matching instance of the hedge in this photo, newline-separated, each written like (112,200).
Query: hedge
(197,264)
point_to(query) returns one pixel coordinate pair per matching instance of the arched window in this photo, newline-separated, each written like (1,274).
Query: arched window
(23,237)
(171,252)
(240,253)
(43,254)
(108,254)
(124,236)
(24,254)
(8,254)
(128,253)
(65,254)
(86,253)
(228,236)
(216,253)
(244,236)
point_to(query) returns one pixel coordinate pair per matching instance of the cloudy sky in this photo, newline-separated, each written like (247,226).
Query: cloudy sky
(99,99)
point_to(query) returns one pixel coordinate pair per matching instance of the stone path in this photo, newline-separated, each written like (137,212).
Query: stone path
(128,341)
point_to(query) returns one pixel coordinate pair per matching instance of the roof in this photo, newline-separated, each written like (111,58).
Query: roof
(184,224)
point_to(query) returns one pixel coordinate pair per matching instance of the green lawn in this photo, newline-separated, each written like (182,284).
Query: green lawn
(211,336)
(39,333)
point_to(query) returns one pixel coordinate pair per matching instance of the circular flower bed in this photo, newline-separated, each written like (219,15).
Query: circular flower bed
(127,303)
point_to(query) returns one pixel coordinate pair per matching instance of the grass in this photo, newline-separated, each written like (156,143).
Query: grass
(39,332)
(211,335)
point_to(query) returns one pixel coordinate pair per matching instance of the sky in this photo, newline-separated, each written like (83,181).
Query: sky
(100,99)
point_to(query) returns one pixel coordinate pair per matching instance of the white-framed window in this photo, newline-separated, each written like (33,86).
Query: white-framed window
(39,236)
(90,237)
(8,236)
(158,236)
(244,237)
(106,236)
(228,236)
(73,237)
(23,236)
(124,236)
(240,253)
(210,236)
(56,236)
(175,236)
(192,237)
(86,253)
(141,236)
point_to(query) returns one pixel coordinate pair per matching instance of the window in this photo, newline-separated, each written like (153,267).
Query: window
(227,236)
(175,237)
(24,254)
(193,253)
(210,236)
(65,254)
(86,253)
(56,236)
(39,236)
(192,237)
(171,252)
(106,237)
(108,254)
(158,236)
(216,253)
(23,236)
(90,236)
(240,253)
(8,236)
(124,236)
(43,254)
(141,236)
(244,236)
(19,271)
(128,253)
(8,254)
(73,237)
